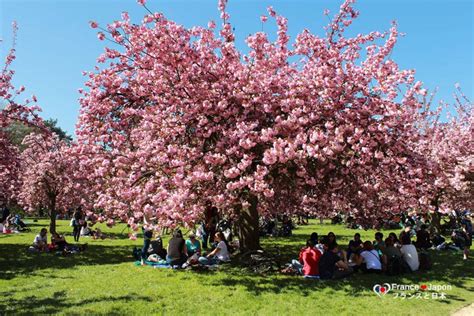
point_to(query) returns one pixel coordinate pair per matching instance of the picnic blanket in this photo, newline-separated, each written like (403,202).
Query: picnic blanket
(153,264)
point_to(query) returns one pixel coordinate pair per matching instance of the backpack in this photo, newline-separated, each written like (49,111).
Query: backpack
(425,261)
(137,253)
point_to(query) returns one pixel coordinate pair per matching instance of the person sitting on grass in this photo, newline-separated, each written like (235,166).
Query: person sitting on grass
(369,260)
(331,266)
(396,242)
(379,243)
(58,242)
(423,239)
(156,248)
(219,254)
(193,245)
(317,245)
(355,246)
(394,261)
(98,234)
(308,262)
(390,250)
(41,241)
(177,252)
(331,239)
(85,230)
(409,253)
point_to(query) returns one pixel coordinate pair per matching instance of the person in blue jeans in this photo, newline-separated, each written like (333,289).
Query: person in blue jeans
(147,235)
(219,254)
(204,235)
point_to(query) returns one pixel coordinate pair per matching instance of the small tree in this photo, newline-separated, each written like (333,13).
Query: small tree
(48,176)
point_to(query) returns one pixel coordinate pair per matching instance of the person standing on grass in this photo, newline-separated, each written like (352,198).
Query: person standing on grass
(467,239)
(147,235)
(211,218)
(76,224)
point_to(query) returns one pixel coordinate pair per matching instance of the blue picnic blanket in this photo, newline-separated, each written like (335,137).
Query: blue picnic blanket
(154,264)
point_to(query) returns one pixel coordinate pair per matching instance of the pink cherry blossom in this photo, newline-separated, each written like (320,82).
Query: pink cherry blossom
(181,118)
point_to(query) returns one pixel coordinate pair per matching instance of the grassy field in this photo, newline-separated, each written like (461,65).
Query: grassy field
(104,280)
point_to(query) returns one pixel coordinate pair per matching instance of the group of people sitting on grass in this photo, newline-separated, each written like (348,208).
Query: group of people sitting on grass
(58,244)
(182,253)
(324,259)
(80,227)
(12,223)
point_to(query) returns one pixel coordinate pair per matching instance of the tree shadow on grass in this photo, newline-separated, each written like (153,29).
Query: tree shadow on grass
(16,260)
(448,269)
(31,305)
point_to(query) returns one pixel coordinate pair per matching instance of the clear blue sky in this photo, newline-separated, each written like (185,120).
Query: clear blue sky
(55,42)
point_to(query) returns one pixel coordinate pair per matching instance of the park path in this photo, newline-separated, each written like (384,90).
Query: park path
(465,311)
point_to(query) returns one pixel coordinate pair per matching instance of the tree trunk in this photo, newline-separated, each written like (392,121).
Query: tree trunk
(435,226)
(249,237)
(52,214)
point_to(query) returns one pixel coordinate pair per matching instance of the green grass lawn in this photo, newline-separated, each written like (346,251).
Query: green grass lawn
(104,280)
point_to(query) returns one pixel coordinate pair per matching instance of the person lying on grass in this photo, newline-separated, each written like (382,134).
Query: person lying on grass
(219,254)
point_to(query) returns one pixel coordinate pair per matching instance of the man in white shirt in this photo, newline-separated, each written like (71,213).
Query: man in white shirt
(41,240)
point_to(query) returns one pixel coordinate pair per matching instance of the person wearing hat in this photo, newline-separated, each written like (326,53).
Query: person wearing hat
(193,245)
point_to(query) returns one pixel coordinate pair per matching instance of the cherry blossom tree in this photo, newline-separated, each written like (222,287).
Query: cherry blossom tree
(177,118)
(51,176)
(12,111)
(449,149)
